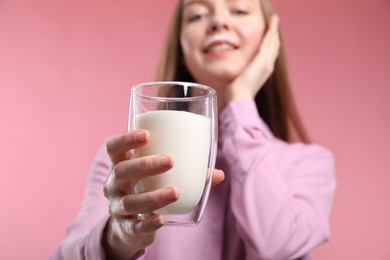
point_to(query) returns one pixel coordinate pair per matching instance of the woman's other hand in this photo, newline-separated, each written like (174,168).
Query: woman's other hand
(249,82)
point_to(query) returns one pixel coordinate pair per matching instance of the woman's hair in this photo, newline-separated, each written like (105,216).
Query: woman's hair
(274,101)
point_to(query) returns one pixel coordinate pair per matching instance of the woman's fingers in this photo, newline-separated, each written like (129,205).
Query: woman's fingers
(217,177)
(135,203)
(266,57)
(271,44)
(140,168)
(272,32)
(118,147)
(147,226)
(135,232)
(126,173)
(146,202)
(249,82)
(269,49)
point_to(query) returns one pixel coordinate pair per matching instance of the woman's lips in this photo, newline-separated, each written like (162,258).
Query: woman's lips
(219,43)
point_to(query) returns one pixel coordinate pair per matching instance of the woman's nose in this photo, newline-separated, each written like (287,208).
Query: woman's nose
(219,21)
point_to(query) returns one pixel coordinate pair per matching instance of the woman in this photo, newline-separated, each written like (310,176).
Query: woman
(275,201)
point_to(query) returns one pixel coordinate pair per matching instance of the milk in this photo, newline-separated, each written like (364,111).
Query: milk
(186,136)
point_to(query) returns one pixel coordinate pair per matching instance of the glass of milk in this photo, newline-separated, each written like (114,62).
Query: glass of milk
(182,120)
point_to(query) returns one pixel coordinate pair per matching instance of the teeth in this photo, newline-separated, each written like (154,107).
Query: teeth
(220,47)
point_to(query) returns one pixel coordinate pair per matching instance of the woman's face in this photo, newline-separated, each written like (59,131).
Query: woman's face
(220,37)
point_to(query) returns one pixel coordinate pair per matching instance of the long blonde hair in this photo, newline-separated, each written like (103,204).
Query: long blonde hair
(274,101)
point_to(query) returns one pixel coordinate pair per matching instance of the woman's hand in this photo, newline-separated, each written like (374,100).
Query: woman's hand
(125,234)
(249,82)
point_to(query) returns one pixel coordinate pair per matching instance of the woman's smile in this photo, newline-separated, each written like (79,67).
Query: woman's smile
(220,38)
(219,45)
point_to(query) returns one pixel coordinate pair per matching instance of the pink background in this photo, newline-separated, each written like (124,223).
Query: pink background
(65,72)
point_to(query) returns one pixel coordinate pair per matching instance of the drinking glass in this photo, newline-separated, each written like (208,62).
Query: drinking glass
(182,120)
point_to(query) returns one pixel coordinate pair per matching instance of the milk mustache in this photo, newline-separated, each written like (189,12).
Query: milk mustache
(185,136)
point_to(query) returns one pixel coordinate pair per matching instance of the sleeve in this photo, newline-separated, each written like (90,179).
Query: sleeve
(281,194)
(83,238)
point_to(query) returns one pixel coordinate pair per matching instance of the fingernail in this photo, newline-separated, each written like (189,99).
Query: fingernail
(220,172)
(158,221)
(170,194)
(140,136)
(164,161)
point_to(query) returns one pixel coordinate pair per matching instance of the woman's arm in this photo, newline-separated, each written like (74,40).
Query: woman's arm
(83,238)
(281,194)
(98,235)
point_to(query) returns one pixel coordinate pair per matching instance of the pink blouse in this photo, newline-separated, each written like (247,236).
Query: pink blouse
(274,203)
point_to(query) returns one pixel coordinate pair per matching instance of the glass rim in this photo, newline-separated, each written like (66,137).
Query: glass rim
(210,91)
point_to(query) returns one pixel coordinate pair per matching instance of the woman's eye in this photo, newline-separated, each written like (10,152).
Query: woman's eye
(240,12)
(196,17)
